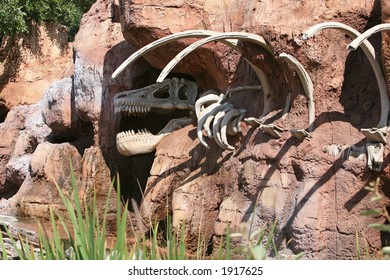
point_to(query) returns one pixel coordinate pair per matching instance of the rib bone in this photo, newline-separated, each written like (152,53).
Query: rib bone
(306,83)
(229,116)
(368,50)
(217,126)
(208,112)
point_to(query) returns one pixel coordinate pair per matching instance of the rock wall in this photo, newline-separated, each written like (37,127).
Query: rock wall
(314,198)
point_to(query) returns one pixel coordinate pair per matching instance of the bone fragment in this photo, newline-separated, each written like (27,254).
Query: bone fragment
(300,134)
(368,33)
(376,134)
(230,92)
(333,149)
(129,143)
(272,130)
(375,156)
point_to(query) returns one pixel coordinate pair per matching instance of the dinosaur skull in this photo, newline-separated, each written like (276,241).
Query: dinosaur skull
(153,112)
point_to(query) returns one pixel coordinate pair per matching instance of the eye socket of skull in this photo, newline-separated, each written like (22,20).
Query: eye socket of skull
(182,93)
(162,93)
(124,95)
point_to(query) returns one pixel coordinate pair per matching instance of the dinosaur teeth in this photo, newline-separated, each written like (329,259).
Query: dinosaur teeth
(135,109)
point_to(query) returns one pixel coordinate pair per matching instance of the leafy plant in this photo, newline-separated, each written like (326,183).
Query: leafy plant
(17,15)
(86,237)
(373,187)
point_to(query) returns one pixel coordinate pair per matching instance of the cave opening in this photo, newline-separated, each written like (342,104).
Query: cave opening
(3,111)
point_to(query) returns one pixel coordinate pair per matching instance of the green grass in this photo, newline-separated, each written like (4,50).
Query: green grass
(86,236)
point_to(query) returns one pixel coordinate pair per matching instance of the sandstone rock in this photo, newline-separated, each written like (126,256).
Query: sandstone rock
(50,164)
(57,106)
(31,64)
(23,131)
(95,180)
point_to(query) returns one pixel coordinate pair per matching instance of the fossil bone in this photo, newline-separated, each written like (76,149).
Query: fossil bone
(227,119)
(306,83)
(163,41)
(376,134)
(368,50)
(375,156)
(217,37)
(162,98)
(300,134)
(333,149)
(271,129)
(207,100)
(210,111)
(223,38)
(365,35)
(130,143)
(217,126)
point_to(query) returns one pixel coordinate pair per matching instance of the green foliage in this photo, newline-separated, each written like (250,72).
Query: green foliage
(86,237)
(381,211)
(17,15)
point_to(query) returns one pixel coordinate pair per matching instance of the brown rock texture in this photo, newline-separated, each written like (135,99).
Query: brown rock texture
(385,5)
(31,64)
(315,198)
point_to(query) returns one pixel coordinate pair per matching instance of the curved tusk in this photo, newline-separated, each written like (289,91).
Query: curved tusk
(205,100)
(306,83)
(209,111)
(229,116)
(163,41)
(217,126)
(218,37)
(369,51)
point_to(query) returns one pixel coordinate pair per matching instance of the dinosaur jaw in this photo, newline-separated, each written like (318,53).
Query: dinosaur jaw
(130,143)
(142,130)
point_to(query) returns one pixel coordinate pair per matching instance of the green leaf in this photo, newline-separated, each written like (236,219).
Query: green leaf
(380,227)
(370,212)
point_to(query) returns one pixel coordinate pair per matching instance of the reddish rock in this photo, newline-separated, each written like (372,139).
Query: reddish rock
(29,65)
(385,6)
(316,199)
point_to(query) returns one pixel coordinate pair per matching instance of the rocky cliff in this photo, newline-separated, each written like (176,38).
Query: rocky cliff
(314,196)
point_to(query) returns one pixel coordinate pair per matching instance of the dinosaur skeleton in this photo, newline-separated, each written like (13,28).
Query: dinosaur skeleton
(218,119)
(214,114)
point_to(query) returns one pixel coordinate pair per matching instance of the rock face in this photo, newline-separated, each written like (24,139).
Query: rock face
(386,39)
(313,197)
(30,65)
